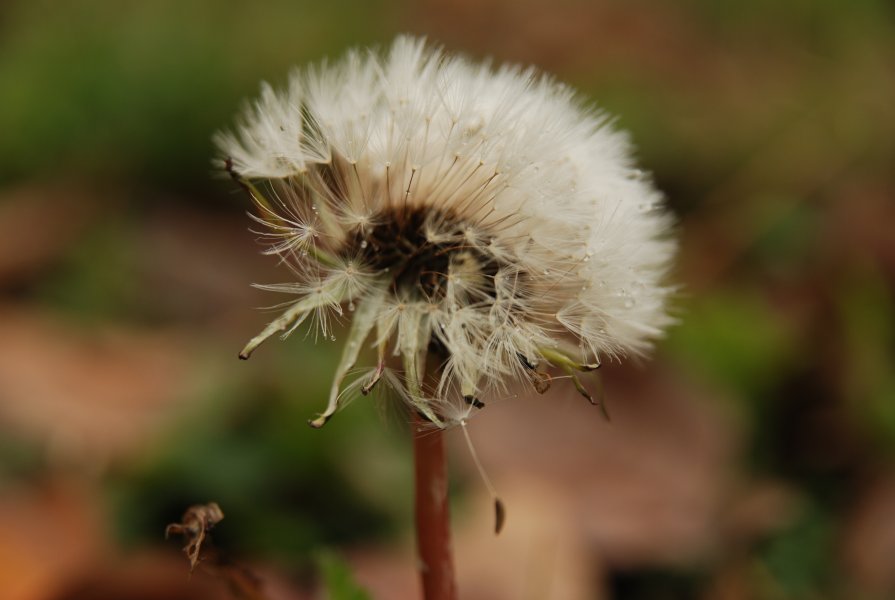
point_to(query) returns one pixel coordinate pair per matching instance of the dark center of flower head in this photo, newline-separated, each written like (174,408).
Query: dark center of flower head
(401,243)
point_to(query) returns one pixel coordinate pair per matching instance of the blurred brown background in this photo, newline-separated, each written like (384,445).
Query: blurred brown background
(752,458)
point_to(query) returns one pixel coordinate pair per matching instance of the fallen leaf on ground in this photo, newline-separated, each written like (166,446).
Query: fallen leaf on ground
(88,395)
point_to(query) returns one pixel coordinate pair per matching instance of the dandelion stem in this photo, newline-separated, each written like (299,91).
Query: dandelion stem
(433,523)
(433,532)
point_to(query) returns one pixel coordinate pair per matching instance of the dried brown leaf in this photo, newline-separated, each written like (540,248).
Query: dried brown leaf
(197,521)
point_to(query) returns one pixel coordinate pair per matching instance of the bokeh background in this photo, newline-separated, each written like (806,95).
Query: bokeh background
(752,458)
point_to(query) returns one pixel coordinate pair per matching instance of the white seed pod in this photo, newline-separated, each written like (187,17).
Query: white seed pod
(482,221)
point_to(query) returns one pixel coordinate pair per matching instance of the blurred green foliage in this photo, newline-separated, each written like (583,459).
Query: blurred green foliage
(99,279)
(798,558)
(286,489)
(82,80)
(337,578)
(869,323)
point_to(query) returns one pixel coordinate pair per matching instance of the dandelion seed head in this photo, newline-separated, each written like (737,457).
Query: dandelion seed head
(478,219)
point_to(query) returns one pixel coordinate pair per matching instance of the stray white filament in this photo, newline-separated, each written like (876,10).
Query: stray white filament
(499,511)
(478,464)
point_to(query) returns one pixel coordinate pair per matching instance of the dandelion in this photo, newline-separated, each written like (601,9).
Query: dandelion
(476,225)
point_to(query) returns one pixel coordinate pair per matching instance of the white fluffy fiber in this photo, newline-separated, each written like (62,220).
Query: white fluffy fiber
(546,185)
